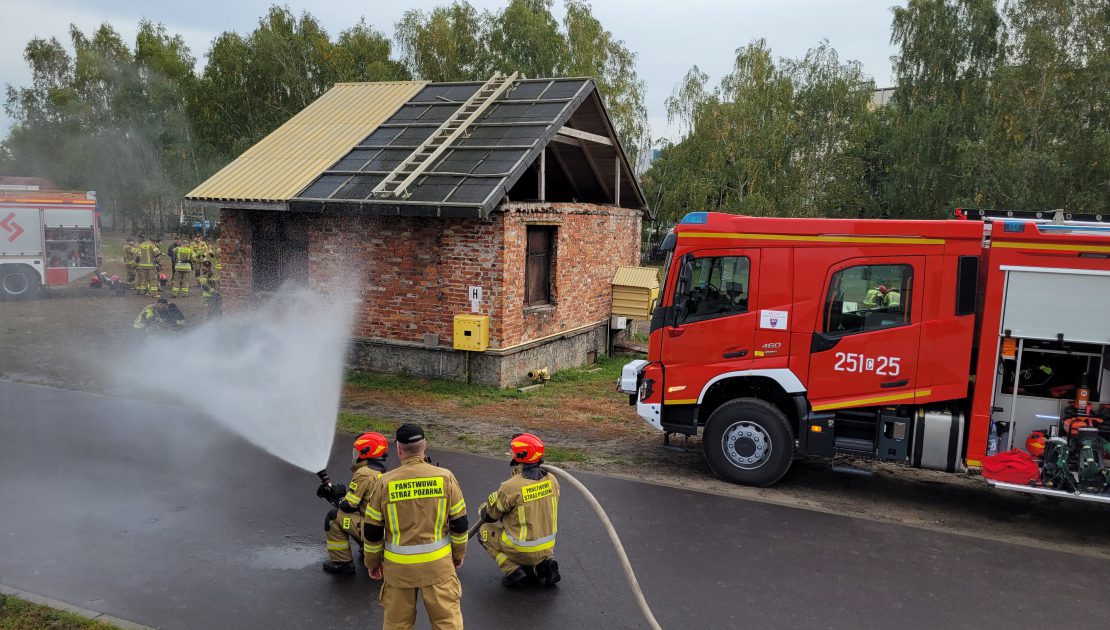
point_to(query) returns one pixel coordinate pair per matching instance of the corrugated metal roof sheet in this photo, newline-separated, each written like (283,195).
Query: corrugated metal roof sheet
(643,277)
(291,157)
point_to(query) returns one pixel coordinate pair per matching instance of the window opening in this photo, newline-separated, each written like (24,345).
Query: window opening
(868,297)
(714,287)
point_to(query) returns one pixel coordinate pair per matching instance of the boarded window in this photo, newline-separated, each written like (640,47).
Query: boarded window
(537,268)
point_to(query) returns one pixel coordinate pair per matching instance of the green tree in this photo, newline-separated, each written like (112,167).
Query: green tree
(1050,128)
(786,138)
(107,118)
(457,43)
(446,44)
(253,84)
(948,51)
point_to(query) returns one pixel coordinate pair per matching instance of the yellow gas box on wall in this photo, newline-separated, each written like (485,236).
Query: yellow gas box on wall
(472,332)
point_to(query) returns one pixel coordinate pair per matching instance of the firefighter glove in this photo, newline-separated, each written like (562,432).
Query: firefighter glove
(483,513)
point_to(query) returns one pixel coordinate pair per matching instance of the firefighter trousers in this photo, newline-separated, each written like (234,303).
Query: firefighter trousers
(147,280)
(180,282)
(340,526)
(507,559)
(442,602)
(131,275)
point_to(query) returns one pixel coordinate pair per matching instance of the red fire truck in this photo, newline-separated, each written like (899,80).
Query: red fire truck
(928,343)
(48,237)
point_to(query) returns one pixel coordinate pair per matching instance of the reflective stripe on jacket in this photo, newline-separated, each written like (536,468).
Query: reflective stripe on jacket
(148,253)
(529,511)
(414,503)
(183,257)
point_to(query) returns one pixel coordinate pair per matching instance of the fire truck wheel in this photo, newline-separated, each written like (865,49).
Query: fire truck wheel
(748,441)
(18,282)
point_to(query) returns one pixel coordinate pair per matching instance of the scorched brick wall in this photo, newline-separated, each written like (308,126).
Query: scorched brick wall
(415,273)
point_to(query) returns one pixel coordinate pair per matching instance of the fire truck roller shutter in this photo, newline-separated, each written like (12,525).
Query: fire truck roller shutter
(938,440)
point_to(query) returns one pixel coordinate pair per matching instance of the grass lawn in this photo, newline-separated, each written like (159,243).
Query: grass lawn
(576,404)
(17,614)
(596,382)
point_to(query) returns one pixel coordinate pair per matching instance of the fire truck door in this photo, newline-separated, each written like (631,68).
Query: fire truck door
(711,327)
(865,345)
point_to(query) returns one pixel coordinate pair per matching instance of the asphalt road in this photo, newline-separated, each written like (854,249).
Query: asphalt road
(152,514)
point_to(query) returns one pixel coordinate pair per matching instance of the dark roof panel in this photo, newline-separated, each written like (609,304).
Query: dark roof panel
(474,172)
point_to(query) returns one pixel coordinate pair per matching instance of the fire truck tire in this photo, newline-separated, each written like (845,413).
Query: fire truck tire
(18,282)
(748,441)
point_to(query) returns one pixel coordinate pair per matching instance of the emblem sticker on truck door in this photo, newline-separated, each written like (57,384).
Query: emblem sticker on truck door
(773,320)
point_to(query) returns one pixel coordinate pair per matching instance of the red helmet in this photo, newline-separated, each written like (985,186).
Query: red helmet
(371,445)
(526,448)
(883,288)
(161,276)
(1035,443)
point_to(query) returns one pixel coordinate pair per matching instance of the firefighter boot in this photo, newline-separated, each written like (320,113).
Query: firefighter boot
(344,568)
(548,572)
(514,579)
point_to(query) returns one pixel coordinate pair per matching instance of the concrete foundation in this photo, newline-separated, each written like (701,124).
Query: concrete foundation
(497,368)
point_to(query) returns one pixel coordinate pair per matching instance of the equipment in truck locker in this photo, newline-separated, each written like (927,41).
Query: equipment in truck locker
(996,331)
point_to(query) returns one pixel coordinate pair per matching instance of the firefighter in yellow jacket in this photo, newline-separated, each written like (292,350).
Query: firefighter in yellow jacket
(182,267)
(130,252)
(146,260)
(345,520)
(415,537)
(200,254)
(520,519)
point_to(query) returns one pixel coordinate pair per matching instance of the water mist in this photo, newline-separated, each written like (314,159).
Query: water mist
(272,374)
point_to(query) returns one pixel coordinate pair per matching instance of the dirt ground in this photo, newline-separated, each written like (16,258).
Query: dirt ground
(70,336)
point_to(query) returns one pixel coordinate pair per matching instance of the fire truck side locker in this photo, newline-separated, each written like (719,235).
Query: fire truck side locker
(1051,313)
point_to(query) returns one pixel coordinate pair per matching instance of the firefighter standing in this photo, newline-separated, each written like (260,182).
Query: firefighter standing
(345,520)
(210,290)
(130,252)
(200,252)
(182,266)
(521,517)
(415,537)
(145,263)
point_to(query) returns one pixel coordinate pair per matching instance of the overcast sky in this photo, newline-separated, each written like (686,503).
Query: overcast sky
(668,35)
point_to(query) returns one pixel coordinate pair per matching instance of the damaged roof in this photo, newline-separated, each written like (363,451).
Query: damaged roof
(284,162)
(454,150)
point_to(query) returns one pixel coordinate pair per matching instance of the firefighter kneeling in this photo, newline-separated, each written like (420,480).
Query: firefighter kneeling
(522,516)
(371,450)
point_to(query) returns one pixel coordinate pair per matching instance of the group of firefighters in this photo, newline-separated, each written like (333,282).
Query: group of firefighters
(190,261)
(412,525)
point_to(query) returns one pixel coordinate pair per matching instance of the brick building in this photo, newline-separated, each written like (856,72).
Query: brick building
(418,192)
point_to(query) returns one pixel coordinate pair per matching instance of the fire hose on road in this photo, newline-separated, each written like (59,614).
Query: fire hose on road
(629,574)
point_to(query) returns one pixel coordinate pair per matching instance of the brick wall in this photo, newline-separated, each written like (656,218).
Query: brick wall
(592,241)
(413,274)
(236,255)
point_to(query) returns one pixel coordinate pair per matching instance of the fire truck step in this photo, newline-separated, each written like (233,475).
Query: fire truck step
(854,445)
(849,469)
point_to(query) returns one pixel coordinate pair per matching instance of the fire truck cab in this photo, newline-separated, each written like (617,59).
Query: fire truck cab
(870,339)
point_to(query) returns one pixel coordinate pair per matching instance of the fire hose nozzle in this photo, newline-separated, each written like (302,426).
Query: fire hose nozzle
(323,475)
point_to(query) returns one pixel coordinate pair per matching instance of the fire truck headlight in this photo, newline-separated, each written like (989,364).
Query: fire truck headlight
(646,389)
